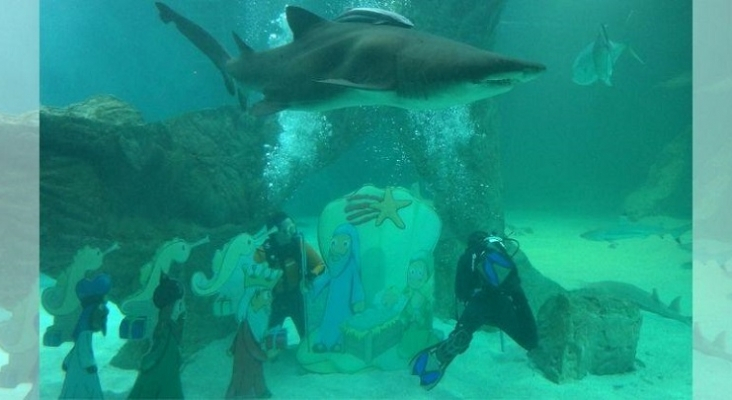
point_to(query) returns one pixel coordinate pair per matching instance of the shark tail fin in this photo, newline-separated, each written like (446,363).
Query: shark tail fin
(166,13)
(200,38)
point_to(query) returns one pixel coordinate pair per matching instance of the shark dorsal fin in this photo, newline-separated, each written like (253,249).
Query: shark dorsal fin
(674,304)
(301,20)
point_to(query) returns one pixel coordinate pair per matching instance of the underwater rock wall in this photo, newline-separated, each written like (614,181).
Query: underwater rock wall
(667,187)
(205,166)
(463,173)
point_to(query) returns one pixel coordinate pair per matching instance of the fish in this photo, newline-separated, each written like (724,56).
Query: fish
(644,300)
(597,60)
(629,230)
(335,64)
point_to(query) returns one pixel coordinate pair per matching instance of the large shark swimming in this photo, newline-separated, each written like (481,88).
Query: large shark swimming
(365,57)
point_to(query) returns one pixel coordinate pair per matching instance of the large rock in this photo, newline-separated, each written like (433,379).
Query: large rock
(581,334)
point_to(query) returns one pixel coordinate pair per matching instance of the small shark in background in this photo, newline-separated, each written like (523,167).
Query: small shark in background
(644,300)
(364,57)
(632,230)
(597,60)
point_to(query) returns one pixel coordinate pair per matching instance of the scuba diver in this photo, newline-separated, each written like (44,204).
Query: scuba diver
(285,249)
(487,281)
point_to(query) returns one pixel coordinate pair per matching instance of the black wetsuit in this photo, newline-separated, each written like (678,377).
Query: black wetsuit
(496,300)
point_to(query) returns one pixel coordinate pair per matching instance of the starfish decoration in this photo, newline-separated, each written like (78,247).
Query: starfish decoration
(373,207)
(389,209)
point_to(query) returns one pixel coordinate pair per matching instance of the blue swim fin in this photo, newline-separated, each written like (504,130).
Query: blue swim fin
(430,379)
(420,363)
(428,367)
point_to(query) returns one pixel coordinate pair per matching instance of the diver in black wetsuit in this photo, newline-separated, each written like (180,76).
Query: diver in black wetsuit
(487,281)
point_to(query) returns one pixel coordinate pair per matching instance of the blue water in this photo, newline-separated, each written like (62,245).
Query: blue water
(564,147)
(590,145)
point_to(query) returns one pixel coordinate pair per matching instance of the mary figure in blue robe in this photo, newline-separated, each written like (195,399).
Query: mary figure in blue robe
(345,294)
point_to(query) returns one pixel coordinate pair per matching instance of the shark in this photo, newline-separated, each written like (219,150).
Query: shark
(628,230)
(644,300)
(367,58)
(597,60)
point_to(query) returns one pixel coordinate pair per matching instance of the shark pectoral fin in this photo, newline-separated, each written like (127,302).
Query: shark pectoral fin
(616,50)
(354,85)
(266,107)
(635,55)
(674,304)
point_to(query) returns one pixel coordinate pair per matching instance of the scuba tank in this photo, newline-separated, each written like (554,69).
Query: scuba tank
(493,262)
